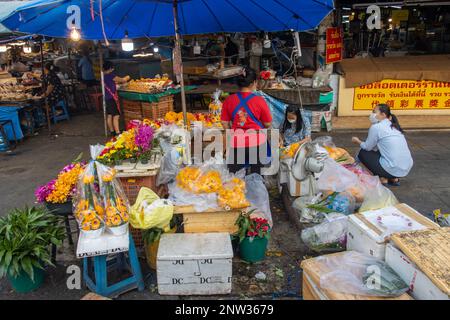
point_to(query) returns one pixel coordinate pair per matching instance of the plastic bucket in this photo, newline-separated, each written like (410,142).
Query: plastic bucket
(23,283)
(253,251)
(151,251)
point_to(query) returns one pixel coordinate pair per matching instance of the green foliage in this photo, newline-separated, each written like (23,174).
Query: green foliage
(152,235)
(25,237)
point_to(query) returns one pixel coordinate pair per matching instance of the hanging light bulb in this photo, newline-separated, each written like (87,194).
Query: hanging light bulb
(3,48)
(26,48)
(75,34)
(155,49)
(127,43)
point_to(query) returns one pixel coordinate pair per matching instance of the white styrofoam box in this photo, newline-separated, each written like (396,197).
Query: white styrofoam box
(363,238)
(421,287)
(107,243)
(194,264)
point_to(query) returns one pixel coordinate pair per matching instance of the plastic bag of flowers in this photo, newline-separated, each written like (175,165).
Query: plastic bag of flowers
(87,203)
(115,202)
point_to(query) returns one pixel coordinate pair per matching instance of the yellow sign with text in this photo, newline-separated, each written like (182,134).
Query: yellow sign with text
(403,95)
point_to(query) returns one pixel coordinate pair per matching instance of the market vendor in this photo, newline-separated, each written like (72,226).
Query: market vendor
(54,89)
(294,128)
(246,114)
(111,97)
(385,152)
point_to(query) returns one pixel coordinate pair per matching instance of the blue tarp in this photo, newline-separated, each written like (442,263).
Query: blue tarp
(11,113)
(139,18)
(5,10)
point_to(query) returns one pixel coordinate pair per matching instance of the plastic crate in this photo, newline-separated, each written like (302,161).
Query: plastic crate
(157,110)
(131,187)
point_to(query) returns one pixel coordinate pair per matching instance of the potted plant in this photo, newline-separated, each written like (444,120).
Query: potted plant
(253,233)
(57,194)
(25,237)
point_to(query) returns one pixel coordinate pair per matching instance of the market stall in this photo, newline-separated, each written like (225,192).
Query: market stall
(412,85)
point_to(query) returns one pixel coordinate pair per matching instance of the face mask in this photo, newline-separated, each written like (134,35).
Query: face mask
(292,121)
(373,118)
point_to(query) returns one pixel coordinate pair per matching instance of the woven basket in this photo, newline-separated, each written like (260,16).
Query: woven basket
(157,110)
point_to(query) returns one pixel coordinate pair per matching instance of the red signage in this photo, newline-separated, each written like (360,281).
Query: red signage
(334,45)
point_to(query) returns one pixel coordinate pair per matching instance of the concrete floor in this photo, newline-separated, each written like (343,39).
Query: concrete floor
(39,158)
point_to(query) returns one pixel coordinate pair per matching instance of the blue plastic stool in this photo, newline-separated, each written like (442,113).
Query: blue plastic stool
(102,266)
(64,115)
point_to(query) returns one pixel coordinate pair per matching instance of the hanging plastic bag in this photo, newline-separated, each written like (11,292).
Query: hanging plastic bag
(87,203)
(149,211)
(334,177)
(258,196)
(328,236)
(115,202)
(355,273)
(215,107)
(376,196)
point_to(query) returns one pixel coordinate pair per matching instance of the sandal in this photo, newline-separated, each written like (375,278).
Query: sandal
(394,183)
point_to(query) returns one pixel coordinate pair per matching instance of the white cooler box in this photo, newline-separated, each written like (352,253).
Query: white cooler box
(194,264)
(368,232)
(421,287)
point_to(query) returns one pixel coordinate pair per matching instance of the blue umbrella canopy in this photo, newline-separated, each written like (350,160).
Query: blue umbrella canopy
(113,19)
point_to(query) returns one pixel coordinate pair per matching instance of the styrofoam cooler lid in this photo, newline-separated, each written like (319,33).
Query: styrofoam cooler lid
(193,246)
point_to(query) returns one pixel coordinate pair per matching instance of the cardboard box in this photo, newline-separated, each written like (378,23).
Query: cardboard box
(313,269)
(368,237)
(421,287)
(194,264)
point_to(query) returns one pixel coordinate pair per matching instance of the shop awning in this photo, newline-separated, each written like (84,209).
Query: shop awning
(363,71)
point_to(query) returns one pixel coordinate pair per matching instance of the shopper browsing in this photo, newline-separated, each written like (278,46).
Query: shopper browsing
(294,128)
(385,152)
(111,98)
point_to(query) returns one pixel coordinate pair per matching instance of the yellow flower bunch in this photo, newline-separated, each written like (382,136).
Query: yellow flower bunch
(90,220)
(193,180)
(232,195)
(289,152)
(116,215)
(171,116)
(64,185)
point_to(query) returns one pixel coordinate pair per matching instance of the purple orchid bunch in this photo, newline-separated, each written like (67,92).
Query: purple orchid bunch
(44,191)
(143,138)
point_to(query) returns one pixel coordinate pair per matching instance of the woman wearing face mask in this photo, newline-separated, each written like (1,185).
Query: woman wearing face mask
(385,152)
(294,129)
(246,114)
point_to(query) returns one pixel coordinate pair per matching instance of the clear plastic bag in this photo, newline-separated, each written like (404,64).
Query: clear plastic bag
(87,202)
(324,141)
(115,201)
(328,236)
(170,164)
(343,203)
(376,195)
(320,78)
(334,177)
(306,214)
(258,196)
(352,272)
(201,202)
(215,107)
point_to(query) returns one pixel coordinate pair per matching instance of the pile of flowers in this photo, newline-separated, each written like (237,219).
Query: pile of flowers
(132,143)
(61,189)
(290,151)
(208,119)
(88,210)
(230,194)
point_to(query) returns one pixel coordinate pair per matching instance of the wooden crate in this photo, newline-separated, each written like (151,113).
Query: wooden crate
(157,110)
(429,250)
(312,271)
(208,221)
(195,69)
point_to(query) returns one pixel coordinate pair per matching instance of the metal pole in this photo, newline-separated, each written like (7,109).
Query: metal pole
(46,106)
(102,80)
(178,48)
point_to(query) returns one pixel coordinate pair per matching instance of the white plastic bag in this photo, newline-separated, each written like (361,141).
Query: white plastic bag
(376,195)
(258,196)
(335,177)
(329,236)
(201,202)
(355,273)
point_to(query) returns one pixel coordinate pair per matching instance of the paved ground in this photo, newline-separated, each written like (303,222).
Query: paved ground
(39,158)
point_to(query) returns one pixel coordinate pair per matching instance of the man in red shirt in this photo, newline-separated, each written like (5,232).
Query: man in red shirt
(246,114)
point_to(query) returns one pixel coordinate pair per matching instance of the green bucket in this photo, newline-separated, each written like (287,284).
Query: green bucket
(253,251)
(23,283)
